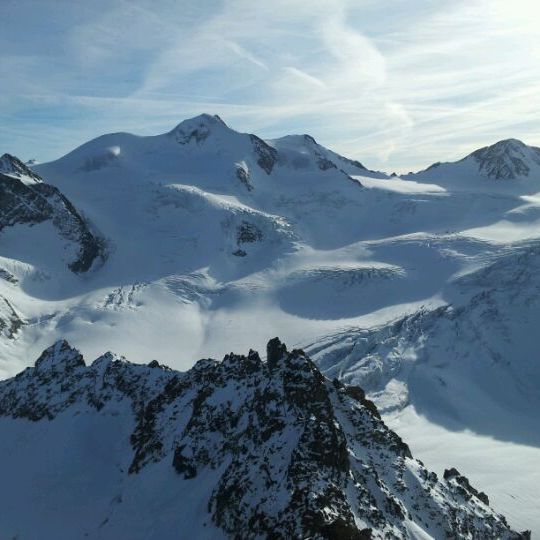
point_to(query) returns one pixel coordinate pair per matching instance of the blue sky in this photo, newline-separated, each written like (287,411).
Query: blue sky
(397,84)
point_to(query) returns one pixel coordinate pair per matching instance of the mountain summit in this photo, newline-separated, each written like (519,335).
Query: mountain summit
(198,128)
(509,159)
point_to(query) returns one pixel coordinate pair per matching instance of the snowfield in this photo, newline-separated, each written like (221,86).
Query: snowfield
(424,290)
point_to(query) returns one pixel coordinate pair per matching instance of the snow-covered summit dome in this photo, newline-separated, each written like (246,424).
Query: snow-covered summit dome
(198,128)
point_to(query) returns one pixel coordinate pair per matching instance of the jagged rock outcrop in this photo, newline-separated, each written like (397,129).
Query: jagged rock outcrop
(273,448)
(8,276)
(247,232)
(10,320)
(22,202)
(243,174)
(12,166)
(266,155)
(468,491)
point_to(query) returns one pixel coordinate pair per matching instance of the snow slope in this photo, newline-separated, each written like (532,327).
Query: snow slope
(219,240)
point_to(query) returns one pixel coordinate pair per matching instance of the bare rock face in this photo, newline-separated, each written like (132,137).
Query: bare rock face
(266,155)
(282,452)
(247,233)
(243,174)
(23,202)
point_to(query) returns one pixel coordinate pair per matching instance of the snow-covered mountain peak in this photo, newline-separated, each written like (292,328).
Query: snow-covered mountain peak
(507,145)
(300,151)
(13,166)
(203,119)
(507,159)
(59,357)
(298,140)
(198,128)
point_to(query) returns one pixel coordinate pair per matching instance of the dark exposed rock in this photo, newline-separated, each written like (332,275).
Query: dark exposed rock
(248,233)
(463,482)
(266,155)
(8,276)
(10,321)
(324,163)
(357,393)
(183,464)
(22,203)
(242,173)
(12,166)
(274,352)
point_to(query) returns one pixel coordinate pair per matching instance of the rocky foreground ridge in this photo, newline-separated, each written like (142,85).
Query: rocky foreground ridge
(269,448)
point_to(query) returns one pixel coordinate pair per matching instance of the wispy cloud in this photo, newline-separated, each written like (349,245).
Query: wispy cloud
(395,84)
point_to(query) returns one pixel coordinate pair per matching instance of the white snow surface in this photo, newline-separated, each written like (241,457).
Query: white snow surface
(218,241)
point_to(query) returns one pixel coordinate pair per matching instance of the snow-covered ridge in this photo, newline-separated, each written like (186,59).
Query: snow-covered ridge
(263,448)
(207,137)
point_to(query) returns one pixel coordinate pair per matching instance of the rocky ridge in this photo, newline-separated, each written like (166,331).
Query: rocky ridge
(289,453)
